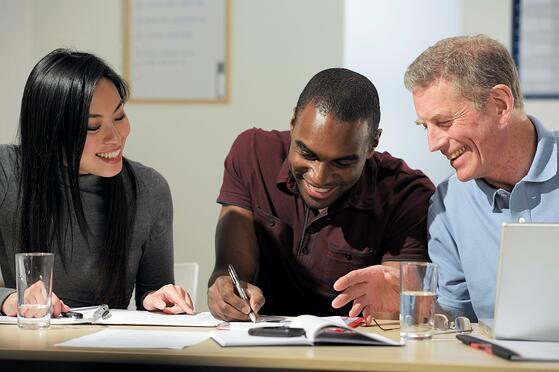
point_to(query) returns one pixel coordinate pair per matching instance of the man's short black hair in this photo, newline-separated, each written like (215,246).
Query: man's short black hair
(344,94)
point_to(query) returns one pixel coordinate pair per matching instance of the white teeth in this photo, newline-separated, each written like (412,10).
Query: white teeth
(108,155)
(319,189)
(457,153)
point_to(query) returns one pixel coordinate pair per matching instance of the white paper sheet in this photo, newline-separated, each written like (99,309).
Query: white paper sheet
(132,338)
(236,326)
(133,317)
(240,337)
(530,350)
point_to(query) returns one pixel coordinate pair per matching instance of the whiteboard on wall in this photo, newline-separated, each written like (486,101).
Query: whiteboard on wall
(176,50)
(535,47)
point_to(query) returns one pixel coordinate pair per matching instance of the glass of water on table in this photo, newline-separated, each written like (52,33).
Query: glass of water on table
(34,289)
(418,282)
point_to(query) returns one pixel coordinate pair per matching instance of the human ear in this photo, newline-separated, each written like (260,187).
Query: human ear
(503,100)
(292,122)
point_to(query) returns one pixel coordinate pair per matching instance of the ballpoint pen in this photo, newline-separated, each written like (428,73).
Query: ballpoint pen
(240,290)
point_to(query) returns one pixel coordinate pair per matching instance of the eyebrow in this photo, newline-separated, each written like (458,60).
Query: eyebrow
(436,116)
(304,147)
(99,115)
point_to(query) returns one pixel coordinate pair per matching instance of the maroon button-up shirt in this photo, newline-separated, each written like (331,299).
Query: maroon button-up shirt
(302,251)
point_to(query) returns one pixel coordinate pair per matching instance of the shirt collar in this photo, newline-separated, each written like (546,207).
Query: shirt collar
(285,180)
(490,193)
(360,196)
(544,165)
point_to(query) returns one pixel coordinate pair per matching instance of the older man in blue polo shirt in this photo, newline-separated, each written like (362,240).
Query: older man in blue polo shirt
(467,96)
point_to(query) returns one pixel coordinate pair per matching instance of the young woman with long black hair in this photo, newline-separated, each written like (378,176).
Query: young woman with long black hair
(67,188)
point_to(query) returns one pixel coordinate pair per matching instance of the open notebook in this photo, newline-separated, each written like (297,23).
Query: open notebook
(318,331)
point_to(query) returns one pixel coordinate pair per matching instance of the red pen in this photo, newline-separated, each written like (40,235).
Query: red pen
(482,346)
(488,347)
(356,322)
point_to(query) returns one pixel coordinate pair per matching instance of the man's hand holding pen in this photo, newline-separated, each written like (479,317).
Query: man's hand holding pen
(240,290)
(225,302)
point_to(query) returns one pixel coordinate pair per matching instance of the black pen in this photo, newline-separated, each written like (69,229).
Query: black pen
(72,314)
(487,346)
(237,284)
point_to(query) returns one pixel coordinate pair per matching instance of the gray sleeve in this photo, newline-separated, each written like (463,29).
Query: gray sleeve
(4,293)
(156,265)
(5,168)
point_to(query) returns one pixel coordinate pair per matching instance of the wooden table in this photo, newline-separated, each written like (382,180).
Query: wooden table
(27,350)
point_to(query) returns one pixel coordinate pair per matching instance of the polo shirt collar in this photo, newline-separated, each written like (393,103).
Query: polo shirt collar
(544,165)
(360,196)
(489,191)
(285,180)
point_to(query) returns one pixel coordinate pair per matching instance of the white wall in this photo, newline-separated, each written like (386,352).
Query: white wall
(16,41)
(381,38)
(276,46)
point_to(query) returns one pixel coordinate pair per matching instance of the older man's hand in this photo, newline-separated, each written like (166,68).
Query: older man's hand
(372,289)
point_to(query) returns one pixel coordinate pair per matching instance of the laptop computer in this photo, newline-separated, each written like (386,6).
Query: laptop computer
(527,296)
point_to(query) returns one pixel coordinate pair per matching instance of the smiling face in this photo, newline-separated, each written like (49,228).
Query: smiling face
(468,137)
(327,156)
(108,128)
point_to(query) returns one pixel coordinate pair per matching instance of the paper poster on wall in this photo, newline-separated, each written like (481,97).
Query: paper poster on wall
(535,47)
(176,50)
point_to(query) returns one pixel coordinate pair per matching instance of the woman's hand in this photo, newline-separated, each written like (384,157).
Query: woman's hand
(32,296)
(171,299)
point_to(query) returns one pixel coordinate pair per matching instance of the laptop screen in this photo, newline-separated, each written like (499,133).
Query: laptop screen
(527,296)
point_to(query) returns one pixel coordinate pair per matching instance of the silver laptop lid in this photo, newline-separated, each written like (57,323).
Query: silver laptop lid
(527,298)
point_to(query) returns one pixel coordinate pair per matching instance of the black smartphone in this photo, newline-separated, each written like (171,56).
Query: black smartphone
(276,332)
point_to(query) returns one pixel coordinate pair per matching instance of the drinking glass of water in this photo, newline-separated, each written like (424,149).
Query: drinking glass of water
(418,282)
(34,289)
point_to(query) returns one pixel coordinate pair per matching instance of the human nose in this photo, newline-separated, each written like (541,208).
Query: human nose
(111,135)
(435,137)
(320,173)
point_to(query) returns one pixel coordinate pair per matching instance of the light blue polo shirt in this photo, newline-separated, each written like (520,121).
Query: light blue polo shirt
(464,223)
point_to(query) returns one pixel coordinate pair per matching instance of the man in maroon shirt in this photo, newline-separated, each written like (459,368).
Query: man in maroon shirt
(313,219)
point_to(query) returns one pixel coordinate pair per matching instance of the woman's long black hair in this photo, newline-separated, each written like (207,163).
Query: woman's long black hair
(53,129)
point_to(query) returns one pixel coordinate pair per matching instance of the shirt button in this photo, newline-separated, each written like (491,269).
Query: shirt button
(348,257)
(272,223)
(521,220)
